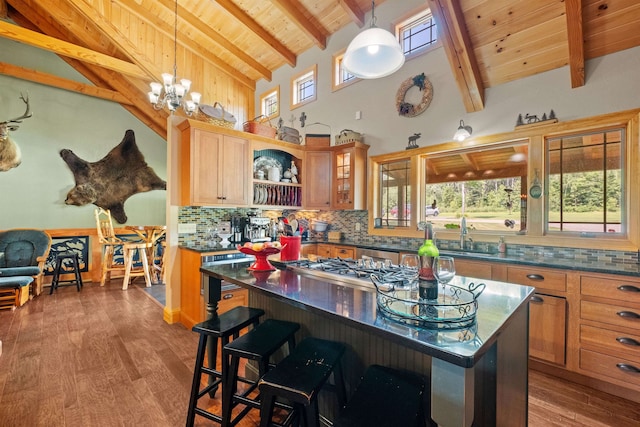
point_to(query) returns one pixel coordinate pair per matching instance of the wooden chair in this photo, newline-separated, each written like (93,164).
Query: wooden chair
(110,243)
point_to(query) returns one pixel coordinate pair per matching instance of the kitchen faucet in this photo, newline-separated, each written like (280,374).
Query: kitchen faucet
(465,239)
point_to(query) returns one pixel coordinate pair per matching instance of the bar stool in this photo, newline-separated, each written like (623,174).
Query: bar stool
(74,264)
(387,397)
(299,377)
(129,249)
(223,327)
(258,345)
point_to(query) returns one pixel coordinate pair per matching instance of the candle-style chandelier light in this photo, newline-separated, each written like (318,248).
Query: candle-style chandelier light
(174,92)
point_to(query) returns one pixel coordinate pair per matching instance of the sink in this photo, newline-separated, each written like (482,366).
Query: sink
(469,253)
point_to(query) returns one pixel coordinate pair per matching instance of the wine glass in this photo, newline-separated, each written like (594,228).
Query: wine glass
(409,261)
(444,269)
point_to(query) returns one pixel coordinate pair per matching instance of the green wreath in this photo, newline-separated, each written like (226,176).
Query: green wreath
(407,109)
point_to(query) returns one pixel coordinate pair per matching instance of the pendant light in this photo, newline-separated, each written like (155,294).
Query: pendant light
(373,53)
(463,132)
(174,92)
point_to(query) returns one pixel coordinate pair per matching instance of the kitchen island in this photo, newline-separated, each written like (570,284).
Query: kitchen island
(478,374)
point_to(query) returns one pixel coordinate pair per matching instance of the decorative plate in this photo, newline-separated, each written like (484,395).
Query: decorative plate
(266,163)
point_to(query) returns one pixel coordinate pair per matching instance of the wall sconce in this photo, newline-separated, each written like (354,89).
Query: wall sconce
(463,132)
(373,53)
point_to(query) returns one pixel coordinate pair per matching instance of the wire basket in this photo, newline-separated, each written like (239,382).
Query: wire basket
(455,307)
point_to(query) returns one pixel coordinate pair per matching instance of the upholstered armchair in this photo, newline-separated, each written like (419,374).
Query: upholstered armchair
(23,253)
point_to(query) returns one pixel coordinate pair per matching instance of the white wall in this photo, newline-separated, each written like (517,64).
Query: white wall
(612,84)
(33,194)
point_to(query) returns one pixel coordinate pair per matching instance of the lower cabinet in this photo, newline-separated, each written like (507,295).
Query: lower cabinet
(547,328)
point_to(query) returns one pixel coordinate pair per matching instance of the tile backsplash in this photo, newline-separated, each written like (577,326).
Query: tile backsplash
(353,225)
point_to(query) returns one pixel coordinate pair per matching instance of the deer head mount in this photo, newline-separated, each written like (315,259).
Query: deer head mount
(10,156)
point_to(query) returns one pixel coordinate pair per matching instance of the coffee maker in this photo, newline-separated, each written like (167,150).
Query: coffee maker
(238,229)
(257,229)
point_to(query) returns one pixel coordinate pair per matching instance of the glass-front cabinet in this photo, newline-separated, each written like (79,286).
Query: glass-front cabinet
(349,176)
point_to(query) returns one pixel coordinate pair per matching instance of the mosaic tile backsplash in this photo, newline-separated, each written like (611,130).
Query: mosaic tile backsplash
(344,221)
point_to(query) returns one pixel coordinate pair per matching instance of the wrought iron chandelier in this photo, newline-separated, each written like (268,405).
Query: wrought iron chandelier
(174,92)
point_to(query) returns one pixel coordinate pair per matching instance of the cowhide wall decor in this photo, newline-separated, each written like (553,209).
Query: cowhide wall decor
(109,182)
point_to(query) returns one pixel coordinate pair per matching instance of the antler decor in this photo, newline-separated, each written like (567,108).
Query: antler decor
(10,155)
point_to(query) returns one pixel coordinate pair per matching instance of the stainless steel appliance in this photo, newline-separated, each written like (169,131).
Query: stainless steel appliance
(218,259)
(257,229)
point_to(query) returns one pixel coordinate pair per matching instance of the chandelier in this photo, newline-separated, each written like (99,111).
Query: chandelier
(174,92)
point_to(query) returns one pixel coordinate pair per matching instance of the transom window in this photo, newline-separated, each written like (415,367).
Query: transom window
(586,183)
(270,102)
(341,77)
(304,87)
(417,33)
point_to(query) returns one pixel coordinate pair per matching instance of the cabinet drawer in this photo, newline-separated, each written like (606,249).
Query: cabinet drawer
(480,270)
(344,252)
(547,328)
(618,343)
(324,250)
(539,278)
(233,298)
(610,366)
(610,288)
(611,314)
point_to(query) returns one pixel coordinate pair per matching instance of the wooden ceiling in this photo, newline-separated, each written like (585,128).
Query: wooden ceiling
(122,45)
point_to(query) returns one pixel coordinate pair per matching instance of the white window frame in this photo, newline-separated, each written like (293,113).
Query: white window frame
(338,72)
(271,93)
(411,20)
(297,80)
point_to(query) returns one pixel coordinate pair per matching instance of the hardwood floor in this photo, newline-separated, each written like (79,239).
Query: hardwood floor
(105,357)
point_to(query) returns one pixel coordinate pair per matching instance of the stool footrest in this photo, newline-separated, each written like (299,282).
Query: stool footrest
(209,415)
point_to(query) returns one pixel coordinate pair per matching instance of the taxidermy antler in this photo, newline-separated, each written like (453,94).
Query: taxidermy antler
(10,156)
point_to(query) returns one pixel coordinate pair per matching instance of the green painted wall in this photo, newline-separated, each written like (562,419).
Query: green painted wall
(33,194)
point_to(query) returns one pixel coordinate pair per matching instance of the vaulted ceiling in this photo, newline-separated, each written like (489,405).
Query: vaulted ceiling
(122,45)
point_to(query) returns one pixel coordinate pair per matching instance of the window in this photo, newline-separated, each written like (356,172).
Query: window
(586,183)
(485,185)
(270,103)
(395,194)
(304,87)
(341,77)
(417,33)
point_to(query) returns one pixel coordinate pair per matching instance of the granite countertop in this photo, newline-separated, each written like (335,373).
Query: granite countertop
(588,265)
(356,305)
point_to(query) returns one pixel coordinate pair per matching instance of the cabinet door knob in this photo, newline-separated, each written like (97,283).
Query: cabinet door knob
(628,341)
(628,368)
(536,277)
(628,314)
(536,298)
(628,288)
(227,296)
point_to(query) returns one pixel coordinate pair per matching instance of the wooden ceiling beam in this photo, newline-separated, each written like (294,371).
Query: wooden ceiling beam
(60,47)
(457,45)
(59,82)
(196,23)
(4,12)
(254,27)
(575,38)
(353,10)
(292,11)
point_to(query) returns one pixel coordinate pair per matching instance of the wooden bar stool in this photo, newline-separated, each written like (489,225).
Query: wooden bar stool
(300,377)
(387,397)
(258,345)
(75,268)
(130,250)
(221,328)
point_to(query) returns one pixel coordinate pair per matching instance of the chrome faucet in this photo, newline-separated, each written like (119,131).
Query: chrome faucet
(466,242)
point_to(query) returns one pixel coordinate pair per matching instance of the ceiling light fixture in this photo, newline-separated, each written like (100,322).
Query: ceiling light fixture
(373,53)
(174,92)
(463,132)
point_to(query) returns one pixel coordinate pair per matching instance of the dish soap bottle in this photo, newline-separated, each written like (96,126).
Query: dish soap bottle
(427,253)
(502,246)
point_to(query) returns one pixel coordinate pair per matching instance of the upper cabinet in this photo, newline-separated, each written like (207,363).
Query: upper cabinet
(318,180)
(277,175)
(213,166)
(349,185)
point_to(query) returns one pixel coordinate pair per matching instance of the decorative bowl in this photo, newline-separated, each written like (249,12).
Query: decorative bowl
(261,263)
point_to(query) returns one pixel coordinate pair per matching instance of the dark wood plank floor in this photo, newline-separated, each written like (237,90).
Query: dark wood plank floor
(105,357)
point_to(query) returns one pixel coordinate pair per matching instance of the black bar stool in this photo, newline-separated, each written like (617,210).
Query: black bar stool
(387,397)
(75,265)
(258,345)
(300,377)
(223,327)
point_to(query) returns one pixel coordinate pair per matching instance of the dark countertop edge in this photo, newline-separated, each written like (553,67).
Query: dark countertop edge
(557,263)
(467,361)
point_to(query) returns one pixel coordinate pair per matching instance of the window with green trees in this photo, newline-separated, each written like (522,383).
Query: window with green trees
(586,183)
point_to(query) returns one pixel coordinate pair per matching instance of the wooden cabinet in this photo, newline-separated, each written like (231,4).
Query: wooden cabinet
(547,328)
(610,329)
(213,167)
(349,184)
(307,249)
(471,268)
(282,194)
(324,250)
(327,250)
(317,180)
